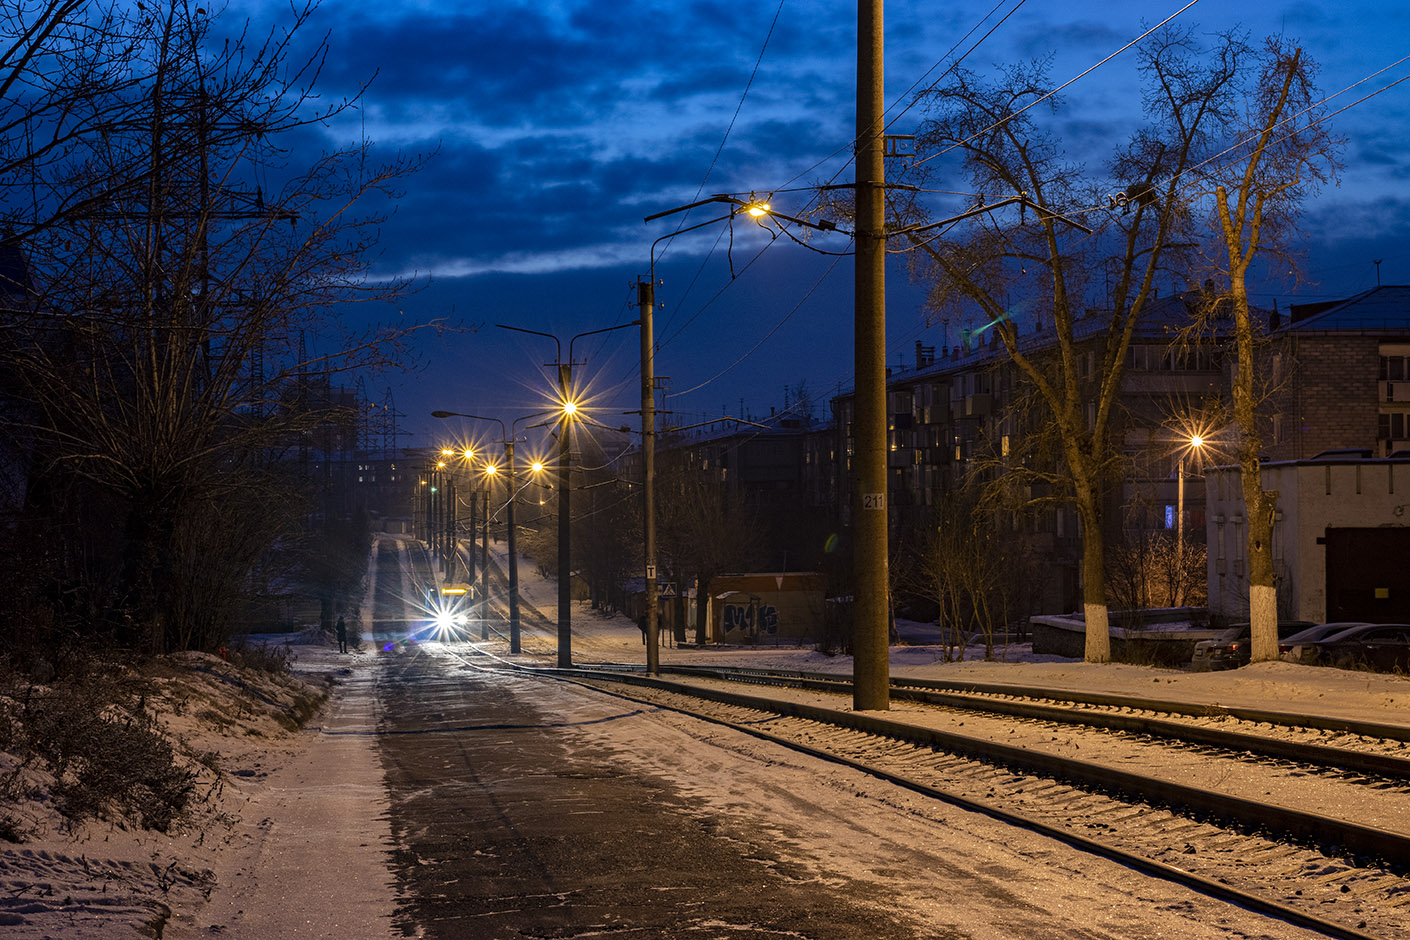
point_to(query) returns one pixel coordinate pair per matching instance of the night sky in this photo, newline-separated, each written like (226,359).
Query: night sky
(560,125)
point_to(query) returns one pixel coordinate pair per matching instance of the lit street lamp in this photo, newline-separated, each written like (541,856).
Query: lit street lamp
(507,441)
(646,304)
(565,486)
(1195,443)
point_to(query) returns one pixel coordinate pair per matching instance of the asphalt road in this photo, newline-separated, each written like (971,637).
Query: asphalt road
(530,807)
(510,822)
(508,826)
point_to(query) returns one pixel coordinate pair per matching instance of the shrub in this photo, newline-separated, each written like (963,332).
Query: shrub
(274,660)
(106,765)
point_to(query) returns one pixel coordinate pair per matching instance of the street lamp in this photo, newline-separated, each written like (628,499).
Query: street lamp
(1195,443)
(464,456)
(646,304)
(507,441)
(568,412)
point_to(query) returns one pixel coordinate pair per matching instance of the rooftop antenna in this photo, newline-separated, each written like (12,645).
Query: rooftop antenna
(1377,263)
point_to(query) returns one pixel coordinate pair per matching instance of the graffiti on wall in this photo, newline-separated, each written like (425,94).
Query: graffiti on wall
(751,619)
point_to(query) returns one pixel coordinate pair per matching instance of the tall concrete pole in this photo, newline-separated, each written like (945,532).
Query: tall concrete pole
(565,491)
(485,570)
(870,624)
(513,551)
(646,302)
(438,546)
(473,530)
(452,526)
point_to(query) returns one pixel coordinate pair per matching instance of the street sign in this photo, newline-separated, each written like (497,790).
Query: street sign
(668,589)
(651,572)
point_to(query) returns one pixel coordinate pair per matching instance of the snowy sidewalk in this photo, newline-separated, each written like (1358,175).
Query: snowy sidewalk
(313,862)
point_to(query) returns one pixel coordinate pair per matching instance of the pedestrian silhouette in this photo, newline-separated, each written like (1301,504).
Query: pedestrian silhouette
(342,636)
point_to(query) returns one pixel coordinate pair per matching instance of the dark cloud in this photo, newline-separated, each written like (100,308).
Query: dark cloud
(562,123)
(1074,40)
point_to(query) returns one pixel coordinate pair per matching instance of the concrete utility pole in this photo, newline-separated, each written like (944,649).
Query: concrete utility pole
(870,605)
(472,530)
(513,550)
(485,570)
(646,303)
(565,491)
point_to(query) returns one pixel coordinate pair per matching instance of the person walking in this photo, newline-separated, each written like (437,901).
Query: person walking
(342,636)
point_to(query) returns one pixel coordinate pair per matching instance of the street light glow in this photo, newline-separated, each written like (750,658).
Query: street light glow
(757,209)
(1196,441)
(537,466)
(491,470)
(570,408)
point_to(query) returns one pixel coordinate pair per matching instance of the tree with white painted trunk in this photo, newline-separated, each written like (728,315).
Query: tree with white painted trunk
(1280,150)
(1022,248)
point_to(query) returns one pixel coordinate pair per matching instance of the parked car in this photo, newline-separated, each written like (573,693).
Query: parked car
(1380,646)
(1230,649)
(1301,646)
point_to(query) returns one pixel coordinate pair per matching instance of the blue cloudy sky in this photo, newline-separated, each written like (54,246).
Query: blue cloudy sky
(561,124)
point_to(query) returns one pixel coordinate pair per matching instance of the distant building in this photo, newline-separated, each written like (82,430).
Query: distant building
(1340,373)
(1336,438)
(963,413)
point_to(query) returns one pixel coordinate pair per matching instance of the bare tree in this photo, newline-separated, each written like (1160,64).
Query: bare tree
(1280,150)
(1032,250)
(704,529)
(162,358)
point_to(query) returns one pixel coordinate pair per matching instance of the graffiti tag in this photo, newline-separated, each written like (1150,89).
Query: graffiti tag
(751,619)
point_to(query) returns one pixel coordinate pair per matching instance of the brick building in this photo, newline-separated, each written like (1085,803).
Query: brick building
(965,412)
(1341,377)
(1337,449)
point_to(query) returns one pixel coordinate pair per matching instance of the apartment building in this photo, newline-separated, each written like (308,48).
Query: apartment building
(966,410)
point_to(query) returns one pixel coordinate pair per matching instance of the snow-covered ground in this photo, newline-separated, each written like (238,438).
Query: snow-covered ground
(294,841)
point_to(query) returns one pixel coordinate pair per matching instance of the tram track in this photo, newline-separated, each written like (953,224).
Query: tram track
(1367,748)
(1334,875)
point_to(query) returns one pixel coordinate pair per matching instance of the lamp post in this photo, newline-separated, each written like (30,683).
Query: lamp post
(565,484)
(1195,442)
(507,441)
(646,305)
(485,570)
(452,543)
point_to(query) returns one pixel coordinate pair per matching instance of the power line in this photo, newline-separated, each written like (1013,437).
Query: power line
(763,339)
(1009,117)
(735,117)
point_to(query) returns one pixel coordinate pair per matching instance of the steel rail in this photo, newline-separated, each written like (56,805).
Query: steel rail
(1383,765)
(1394,732)
(1335,836)
(1198,883)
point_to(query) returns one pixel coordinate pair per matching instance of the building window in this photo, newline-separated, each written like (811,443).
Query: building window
(1394,426)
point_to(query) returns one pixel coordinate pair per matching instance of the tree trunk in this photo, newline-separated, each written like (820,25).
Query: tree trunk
(1259,504)
(1098,645)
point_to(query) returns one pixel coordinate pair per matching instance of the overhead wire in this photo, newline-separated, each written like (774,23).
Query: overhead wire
(910,334)
(763,339)
(908,93)
(914,98)
(744,94)
(1087,71)
(851,144)
(1243,141)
